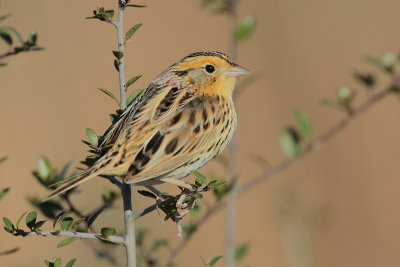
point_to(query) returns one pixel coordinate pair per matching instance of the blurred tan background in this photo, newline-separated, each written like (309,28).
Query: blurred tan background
(337,207)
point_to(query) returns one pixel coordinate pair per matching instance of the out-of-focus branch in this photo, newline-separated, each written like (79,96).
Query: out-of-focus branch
(285,164)
(15,52)
(316,142)
(231,158)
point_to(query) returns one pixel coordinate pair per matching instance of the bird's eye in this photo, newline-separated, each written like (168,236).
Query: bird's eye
(209,68)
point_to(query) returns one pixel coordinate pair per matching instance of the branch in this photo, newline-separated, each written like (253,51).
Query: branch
(315,143)
(15,52)
(115,239)
(130,239)
(140,213)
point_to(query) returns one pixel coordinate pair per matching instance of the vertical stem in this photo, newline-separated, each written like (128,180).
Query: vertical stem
(130,241)
(121,48)
(231,205)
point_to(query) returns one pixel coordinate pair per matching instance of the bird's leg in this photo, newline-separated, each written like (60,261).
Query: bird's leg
(187,189)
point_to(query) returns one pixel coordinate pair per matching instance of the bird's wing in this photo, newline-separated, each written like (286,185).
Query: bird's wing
(187,134)
(113,132)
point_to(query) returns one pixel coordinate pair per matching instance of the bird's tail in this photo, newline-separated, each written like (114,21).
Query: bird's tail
(80,178)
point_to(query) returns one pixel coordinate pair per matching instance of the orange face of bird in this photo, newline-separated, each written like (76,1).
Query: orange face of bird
(213,74)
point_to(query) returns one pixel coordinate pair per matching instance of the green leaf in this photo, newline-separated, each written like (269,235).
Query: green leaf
(38,225)
(64,170)
(66,241)
(327,101)
(32,38)
(116,64)
(109,94)
(133,95)
(3,192)
(44,167)
(9,251)
(290,142)
(246,28)
(106,232)
(374,61)
(241,251)
(197,196)
(303,121)
(132,30)
(141,235)
(214,260)
(118,54)
(57,232)
(20,218)
(105,240)
(203,260)
(57,262)
(16,33)
(92,137)
(110,14)
(189,229)
(195,212)
(200,178)
(344,96)
(3,159)
(211,262)
(50,208)
(57,218)
(388,59)
(9,226)
(147,194)
(132,80)
(136,6)
(31,219)
(4,17)
(109,196)
(6,37)
(367,79)
(158,243)
(77,223)
(71,263)
(66,223)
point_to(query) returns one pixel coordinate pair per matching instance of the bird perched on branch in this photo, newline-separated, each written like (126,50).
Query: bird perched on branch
(184,119)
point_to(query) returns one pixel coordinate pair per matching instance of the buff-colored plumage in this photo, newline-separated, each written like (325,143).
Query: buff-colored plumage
(184,119)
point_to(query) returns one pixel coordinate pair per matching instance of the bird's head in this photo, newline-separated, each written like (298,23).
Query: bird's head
(211,73)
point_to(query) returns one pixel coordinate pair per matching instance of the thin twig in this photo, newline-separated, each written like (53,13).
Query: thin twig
(140,213)
(115,239)
(121,48)
(15,52)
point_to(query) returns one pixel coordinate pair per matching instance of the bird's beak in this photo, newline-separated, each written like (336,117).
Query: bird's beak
(237,70)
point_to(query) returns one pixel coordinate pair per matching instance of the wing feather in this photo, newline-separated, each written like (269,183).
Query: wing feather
(191,147)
